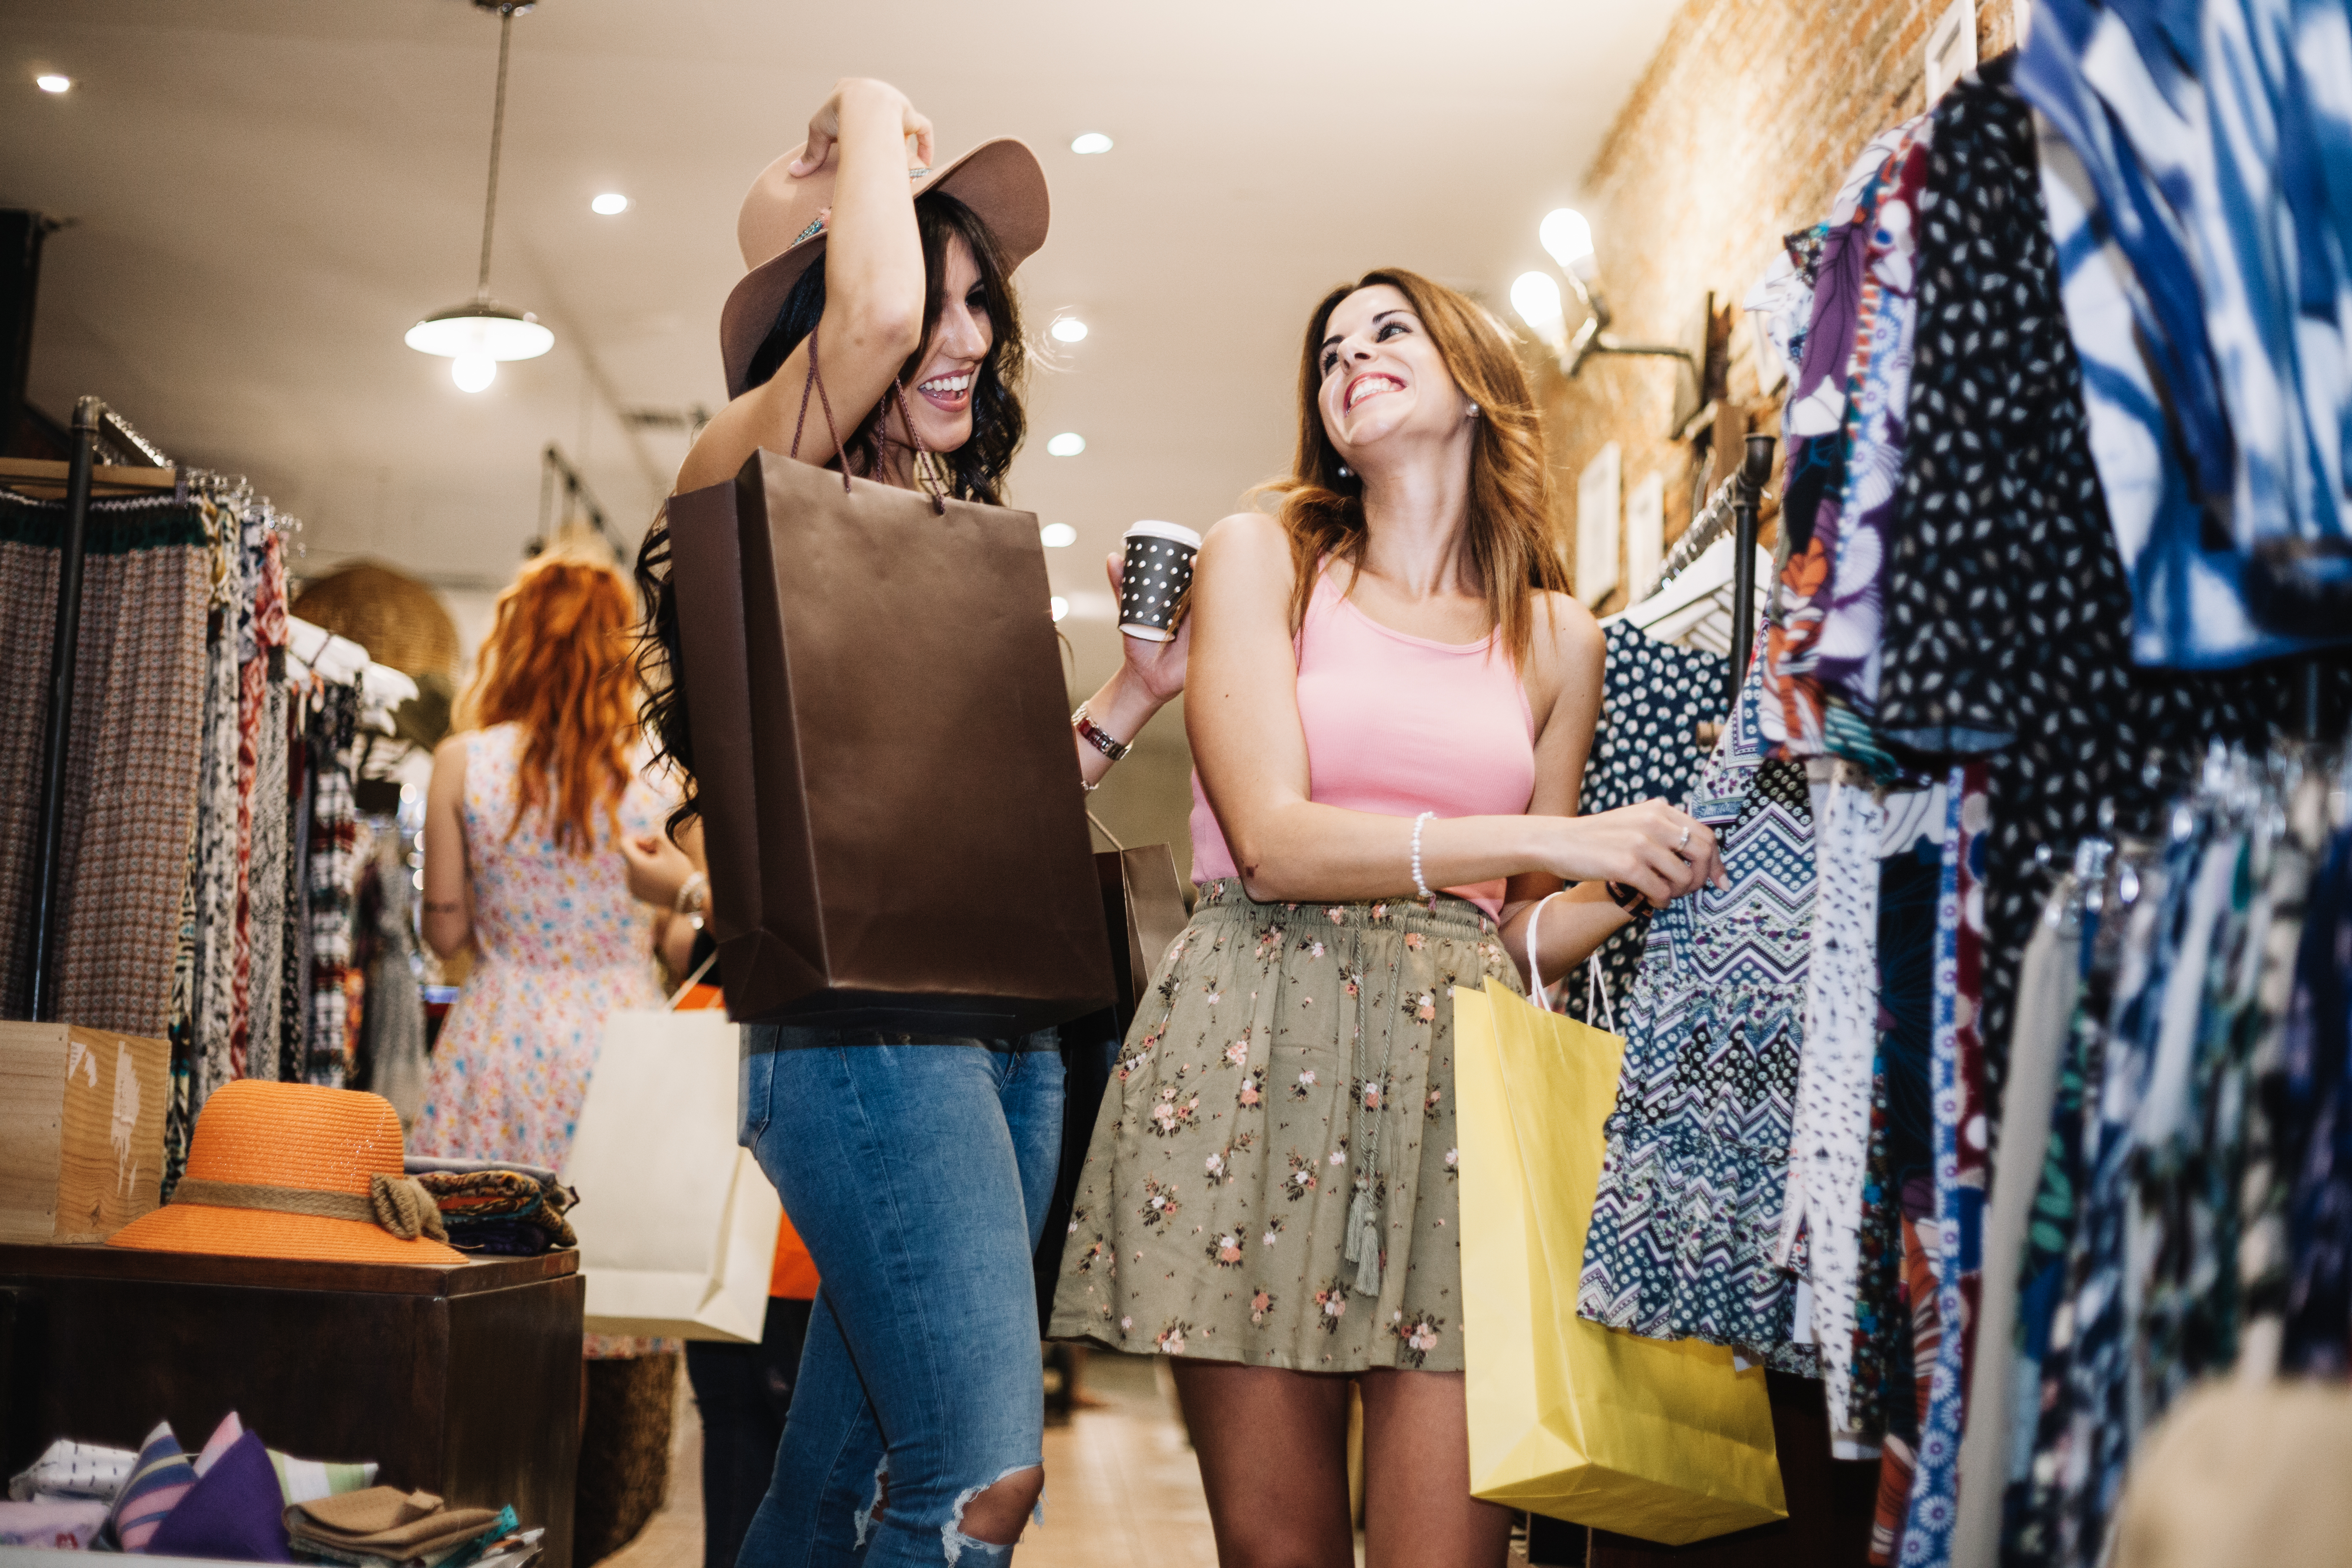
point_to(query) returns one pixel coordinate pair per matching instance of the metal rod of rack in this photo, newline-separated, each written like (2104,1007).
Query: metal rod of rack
(1750,496)
(65,641)
(1705,530)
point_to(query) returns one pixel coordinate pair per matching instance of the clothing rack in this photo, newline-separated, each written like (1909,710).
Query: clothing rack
(1734,505)
(1748,499)
(1705,530)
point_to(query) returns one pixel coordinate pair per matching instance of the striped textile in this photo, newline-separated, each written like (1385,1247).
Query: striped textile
(157,1483)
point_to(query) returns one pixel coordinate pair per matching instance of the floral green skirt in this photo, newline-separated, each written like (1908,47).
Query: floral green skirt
(1272,1178)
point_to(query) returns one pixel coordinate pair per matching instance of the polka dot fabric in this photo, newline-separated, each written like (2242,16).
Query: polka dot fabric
(1653,696)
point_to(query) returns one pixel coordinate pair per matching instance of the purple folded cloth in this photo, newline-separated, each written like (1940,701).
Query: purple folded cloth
(235,1512)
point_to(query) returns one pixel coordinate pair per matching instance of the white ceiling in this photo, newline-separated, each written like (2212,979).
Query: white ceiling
(265,195)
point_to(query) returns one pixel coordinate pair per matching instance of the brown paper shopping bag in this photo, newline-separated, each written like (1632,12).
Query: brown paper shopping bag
(896,832)
(1655,1438)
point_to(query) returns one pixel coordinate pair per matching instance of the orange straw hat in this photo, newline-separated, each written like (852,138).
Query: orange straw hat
(781,230)
(291,1170)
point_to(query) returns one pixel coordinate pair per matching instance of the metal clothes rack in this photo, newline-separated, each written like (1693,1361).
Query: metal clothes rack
(1735,504)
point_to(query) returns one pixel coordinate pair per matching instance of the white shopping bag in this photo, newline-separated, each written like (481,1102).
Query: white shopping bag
(676,1224)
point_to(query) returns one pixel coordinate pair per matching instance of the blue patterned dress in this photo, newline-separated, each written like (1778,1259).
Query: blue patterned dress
(1695,1172)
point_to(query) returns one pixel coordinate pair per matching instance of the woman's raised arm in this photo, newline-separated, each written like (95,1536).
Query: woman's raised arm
(875,286)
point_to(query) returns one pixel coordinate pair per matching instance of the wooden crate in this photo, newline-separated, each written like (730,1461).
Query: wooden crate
(81,1131)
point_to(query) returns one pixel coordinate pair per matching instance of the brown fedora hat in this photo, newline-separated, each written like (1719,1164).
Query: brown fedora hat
(782,224)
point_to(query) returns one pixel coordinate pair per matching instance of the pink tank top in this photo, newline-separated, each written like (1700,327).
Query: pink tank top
(1397,725)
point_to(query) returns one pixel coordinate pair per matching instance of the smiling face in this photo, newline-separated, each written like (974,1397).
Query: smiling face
(1383,377)
(939,394)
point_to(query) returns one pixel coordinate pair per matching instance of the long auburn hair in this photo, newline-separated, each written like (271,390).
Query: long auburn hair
(556,663)
(973,471)
(1511,538)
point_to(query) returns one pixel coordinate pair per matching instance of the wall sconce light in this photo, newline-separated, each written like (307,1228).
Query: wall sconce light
(1568,239)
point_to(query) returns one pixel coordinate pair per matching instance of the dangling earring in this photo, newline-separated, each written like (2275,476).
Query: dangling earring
(1345,473)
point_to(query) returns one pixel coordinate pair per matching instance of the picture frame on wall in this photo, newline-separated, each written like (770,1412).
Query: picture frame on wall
(1646,537)
(1598,495)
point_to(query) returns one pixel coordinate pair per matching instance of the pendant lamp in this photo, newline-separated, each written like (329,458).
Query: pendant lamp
(476,335)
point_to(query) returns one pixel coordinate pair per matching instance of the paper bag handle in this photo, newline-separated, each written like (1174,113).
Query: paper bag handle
(815,379)
(678,995)
(1535,975)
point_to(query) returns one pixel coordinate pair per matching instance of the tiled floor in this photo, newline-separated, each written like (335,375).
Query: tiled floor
(1122,1485)
(1121,1488)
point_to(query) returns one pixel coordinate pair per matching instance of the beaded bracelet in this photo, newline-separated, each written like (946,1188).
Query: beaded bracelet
(1419,885)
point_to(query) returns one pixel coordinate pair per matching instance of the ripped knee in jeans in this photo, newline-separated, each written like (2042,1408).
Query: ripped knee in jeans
(998,1509)
(866,1518)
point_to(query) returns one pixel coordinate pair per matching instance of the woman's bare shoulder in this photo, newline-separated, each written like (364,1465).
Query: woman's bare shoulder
(1248,546)
(1566,635)
(1566,653)
(1246,532)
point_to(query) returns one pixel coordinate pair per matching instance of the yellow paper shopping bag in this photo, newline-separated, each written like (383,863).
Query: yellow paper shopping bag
(1660,1440)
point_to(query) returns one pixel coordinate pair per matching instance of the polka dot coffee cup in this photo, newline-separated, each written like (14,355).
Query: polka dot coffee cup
(1156,578)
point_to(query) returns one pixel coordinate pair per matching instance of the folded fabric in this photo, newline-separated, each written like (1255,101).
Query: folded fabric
(502,1209)
(70,1470)
(223,1437)
(233,1512)
(512,1549)
(483,1194)
(422,1164)
(385,1522)
(307,1481)
(158,1481)
(504,1238)
(66,1526)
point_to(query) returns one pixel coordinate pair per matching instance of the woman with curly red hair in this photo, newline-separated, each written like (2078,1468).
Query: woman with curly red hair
(529,804)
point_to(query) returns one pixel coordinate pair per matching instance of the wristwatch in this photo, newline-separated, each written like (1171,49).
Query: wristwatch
(1096,736)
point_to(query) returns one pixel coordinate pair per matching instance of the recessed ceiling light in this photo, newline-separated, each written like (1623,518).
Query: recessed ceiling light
(1061,607)
(1068,443)
(609,203)
(1057,536)
(1070,330)
(1091,143)
(50,81)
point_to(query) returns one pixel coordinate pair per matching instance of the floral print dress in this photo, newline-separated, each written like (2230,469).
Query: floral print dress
(559,943)
(1273,1175)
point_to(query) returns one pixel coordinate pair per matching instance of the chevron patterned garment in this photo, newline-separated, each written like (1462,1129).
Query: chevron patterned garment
(1688,1208)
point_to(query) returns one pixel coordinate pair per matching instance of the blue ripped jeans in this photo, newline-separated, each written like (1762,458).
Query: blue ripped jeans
(919,1175)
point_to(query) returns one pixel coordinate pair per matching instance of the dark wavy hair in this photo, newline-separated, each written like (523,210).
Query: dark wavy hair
(973,471)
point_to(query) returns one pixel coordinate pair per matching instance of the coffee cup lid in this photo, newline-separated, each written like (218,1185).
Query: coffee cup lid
(1175,531)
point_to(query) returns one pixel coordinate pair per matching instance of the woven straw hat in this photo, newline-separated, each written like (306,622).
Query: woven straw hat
(399,620)
(291,1170)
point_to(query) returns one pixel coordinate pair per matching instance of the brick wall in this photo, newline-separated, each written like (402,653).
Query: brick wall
(1737,134)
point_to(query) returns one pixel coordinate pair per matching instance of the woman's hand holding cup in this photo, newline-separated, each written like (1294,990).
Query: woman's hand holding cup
(1156,666)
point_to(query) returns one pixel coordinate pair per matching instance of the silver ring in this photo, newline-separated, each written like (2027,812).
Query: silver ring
(1683,843)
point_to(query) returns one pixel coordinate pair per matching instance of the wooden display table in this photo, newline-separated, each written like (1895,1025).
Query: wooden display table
(463,1379)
